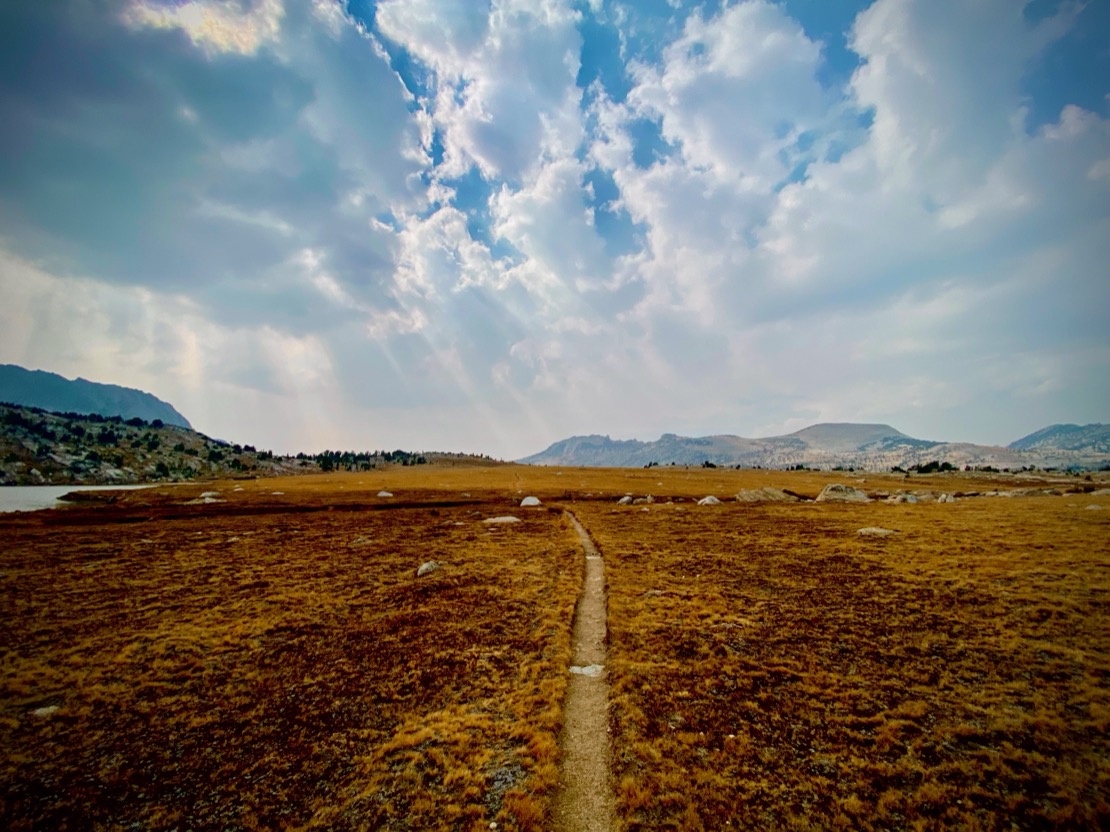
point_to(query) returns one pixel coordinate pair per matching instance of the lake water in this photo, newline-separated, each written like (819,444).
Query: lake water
(35,497)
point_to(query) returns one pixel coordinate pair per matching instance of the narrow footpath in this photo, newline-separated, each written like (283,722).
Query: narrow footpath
(584,802)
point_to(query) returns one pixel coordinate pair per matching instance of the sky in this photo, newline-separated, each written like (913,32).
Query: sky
(487,226)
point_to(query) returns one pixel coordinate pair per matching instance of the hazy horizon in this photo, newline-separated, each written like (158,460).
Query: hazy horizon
(487,227)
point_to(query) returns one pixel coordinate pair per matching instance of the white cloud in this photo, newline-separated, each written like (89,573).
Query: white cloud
(214,25)
(504,93)
(735,92)
(549,223)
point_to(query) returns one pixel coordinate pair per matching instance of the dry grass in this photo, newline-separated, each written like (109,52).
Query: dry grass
(271,662)
(772,669)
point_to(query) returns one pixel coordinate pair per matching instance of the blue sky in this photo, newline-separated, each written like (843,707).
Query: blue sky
(488,226)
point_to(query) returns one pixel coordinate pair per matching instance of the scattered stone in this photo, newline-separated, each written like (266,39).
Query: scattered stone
(204,500)
(428,568)
(508,518)
(277,493)
(588,670)
(875,531)
(902,498)
(210,494)
(624,501)
(361,541)
(837,493)
(530,501)
(946,498)
(709,501)
(764,495)
(385,494)
(46,710)
(1094,507)
(641,500)
(1101,492)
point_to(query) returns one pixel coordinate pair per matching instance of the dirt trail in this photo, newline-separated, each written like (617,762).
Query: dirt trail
(585,799)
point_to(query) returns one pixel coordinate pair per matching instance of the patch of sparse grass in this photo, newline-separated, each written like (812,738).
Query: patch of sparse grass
(272,661)
(770,668)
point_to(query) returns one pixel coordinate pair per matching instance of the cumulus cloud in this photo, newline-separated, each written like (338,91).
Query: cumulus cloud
(503,93)
(420,217)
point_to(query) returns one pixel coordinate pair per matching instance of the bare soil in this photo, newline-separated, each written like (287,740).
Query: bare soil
(584,802)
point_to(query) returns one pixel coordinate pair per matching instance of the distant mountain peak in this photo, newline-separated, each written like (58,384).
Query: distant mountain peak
(835,444)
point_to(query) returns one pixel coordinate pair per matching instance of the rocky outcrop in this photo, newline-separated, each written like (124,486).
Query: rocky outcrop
(837,493)
(764,495)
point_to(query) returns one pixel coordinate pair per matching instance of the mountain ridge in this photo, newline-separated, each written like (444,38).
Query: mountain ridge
(1066,437)
(50,391)
(832,445)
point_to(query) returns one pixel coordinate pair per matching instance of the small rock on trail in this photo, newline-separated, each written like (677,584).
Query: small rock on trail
(588,670)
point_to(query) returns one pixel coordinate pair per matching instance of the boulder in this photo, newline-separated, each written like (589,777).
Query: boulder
(837,493)
(764,495)
(641,500)
(902,498)
(624,501)
(875,531)
(709,501)
(385,494)
(530,501)
(1094,507)
(428,568)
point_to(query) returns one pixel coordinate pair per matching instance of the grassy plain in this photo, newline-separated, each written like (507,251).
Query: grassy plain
(272,662)
(772,669)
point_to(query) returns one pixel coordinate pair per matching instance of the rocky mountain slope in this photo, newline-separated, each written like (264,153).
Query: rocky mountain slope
(38,448)
(50,391)
(830,445)
(1066,438)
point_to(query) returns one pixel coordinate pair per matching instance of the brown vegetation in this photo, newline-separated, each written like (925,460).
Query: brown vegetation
(770,668)
(271,661)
